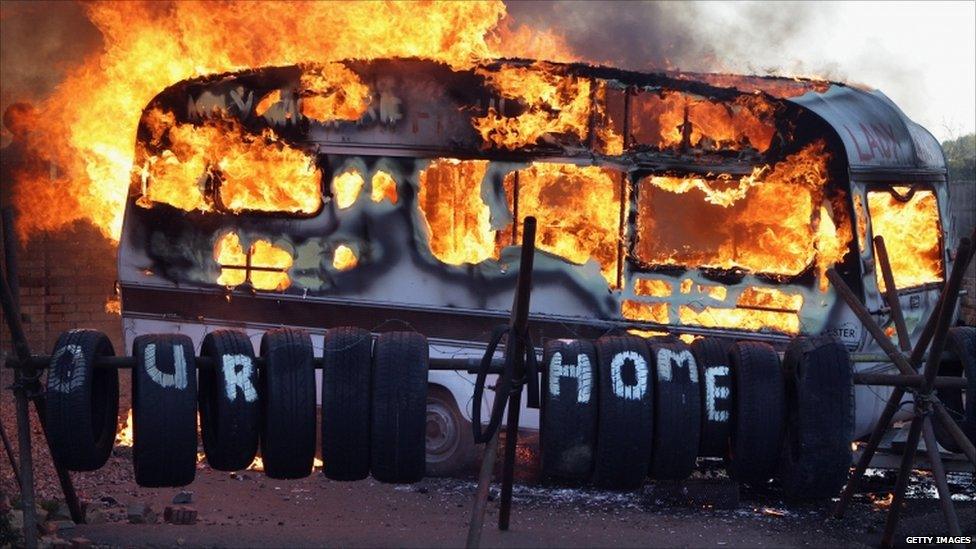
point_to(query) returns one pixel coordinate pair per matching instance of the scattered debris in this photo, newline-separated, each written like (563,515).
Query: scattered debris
(140,513)
(184,497)
(180,514)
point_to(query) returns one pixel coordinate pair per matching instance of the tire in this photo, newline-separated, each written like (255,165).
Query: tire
(715,382)
(82,402)
(450,448)
(759,412)
(287,387)
(399,410)
(961,346)
(677,411)
(569,410)
(820,418)
(230,410)
(626,412)
(164,416)
(345,403)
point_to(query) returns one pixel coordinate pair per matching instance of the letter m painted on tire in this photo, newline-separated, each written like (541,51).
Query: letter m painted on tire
(177,379)
(581,371)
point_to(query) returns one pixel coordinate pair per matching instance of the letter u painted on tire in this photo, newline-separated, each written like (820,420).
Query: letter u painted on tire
(633,389)
(176,379)
(582,372)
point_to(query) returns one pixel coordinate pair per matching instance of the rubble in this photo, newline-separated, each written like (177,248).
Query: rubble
(140,513)
(180,514)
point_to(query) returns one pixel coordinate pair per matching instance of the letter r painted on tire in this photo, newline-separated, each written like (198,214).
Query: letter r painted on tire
(238,370)
(581,371)
(636,390)
(713,393)
(178,378)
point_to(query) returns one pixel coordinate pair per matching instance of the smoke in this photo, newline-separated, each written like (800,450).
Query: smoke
(39,42)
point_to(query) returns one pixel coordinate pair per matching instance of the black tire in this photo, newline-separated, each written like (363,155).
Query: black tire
(82,402)
(287,388)
(677,411)
(626,419)
(449,447)
(820,418)
(569,410)
(345,403)
(759,412)
(961,346)
(399,411)
(164,411)
(230,409)
(715,381)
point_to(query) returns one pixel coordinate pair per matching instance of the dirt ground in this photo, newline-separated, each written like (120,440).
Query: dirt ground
(250,510)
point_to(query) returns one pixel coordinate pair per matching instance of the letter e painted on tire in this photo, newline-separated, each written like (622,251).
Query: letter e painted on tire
(713,393)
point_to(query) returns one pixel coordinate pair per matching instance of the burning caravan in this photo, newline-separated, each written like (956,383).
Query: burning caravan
(384,195)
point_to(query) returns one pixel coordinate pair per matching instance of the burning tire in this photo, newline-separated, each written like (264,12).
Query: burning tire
(399,411)
(715,381)
(164,410)
(677,411)
(758,412)
(230,412)
(345,403)
(82,402)
(626,412)
(820,417)
(569,410)
(450,448)
(961,346)
(287,384)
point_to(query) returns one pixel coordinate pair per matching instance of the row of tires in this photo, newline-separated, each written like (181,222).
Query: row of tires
(373,404)
(621,409)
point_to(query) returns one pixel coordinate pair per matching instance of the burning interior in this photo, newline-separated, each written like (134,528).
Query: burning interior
(662,199)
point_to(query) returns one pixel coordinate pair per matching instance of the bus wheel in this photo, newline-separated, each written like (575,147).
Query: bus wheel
(759,410)
(567,429)
(819,419)
(82,402)
(164,410)
(961,405)
(288,401)
(450,448)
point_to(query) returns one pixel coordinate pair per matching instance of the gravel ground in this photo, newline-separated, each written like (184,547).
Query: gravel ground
(248,509)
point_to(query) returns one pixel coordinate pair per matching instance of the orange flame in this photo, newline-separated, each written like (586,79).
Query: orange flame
(458,220)
(264,264)
(86,128)
(124,435)
(910,227)
(344,258)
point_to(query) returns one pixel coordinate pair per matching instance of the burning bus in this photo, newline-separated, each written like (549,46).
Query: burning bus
(678,208)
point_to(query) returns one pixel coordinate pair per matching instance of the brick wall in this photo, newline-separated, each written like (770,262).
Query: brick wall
(65,279)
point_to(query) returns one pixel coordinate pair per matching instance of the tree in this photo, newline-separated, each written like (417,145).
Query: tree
(960,154)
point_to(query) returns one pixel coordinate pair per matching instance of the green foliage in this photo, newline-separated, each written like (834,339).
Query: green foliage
(960,156)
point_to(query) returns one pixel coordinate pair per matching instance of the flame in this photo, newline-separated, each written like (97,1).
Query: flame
(256,465)
(911,233)
(346,187)
(333,92)
(770,298)
(672,119)
(653,288)
(86,128)
(740,319)
(714,292)
(383,186)
(113,305)
(882,502)
(228,253)
(344,258)
(762,222)
(457,219)
(555,104)
(647,312)
(124,435)
(578,210)
(258,173)
(777,87)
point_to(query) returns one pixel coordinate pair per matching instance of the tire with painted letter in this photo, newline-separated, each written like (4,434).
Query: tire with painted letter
(961,348)
(399,408)
(346,373)
(287,388)
(626,412)
(715,381)
(82,402)
(569,410)
(759,412)
(677,411)
(230,411)
(164,410)
(820,418)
